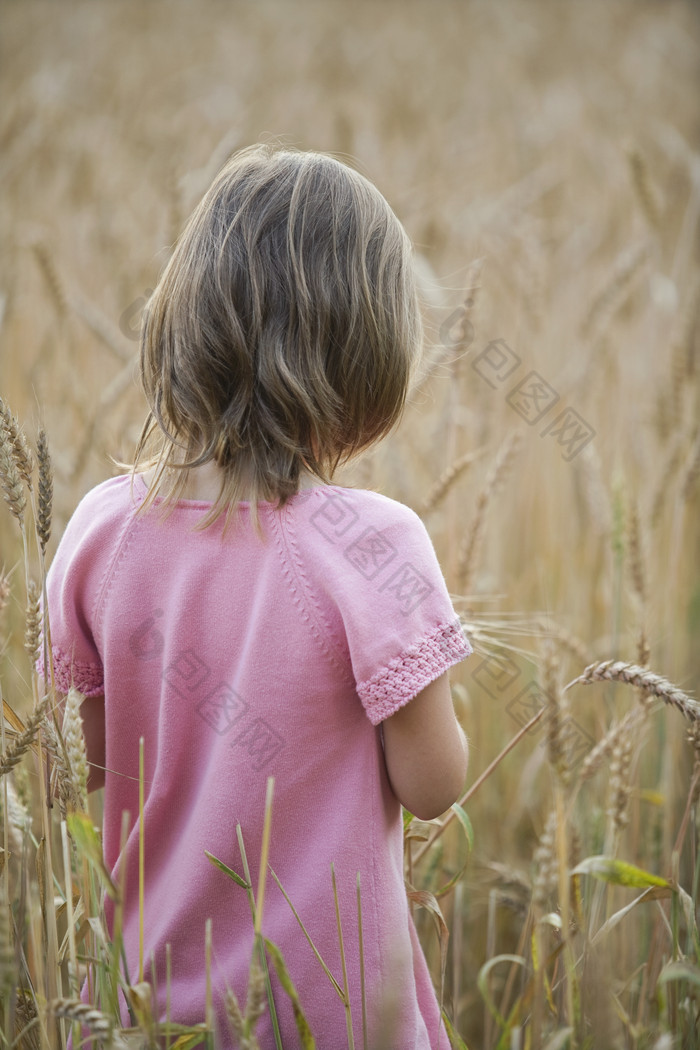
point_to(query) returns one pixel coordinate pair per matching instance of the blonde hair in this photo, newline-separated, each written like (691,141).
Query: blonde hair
(283,332)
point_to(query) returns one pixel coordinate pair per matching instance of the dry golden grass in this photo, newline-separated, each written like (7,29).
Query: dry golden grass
(547,154)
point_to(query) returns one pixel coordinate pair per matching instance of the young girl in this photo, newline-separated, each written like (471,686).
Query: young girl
(249,619)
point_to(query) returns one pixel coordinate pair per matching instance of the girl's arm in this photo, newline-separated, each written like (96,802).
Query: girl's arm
(426,752)
(92,712)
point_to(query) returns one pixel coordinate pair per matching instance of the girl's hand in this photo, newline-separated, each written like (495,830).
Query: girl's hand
(426,751)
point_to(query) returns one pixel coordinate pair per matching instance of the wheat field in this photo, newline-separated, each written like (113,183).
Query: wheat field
(544,158)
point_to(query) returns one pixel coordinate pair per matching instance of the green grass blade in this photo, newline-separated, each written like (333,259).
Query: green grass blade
(228,871)
(307,1040)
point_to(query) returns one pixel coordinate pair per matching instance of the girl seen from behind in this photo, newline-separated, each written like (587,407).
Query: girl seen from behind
(248,618)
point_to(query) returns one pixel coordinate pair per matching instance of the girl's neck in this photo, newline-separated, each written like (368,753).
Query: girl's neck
(204,483)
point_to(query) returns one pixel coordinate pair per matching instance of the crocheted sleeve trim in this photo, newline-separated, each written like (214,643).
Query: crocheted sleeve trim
(68,673)
(402,679)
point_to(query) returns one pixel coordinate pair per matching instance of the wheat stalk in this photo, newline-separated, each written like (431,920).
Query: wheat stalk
(565,639)
(49,272)
(692,471)
(593,490)
(694,739)
(644,189)
(111,338)
(65,300)
(453,349)
(611,298)
(636,558)
(7,951)
(448,477)
(646,681)
(670,468)
(469,550)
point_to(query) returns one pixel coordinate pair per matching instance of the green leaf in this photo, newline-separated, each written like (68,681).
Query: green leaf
(449,886)
(306,933)
(456,1041)
(619,872)
(651,893)
(559,1040)
(188,1042)
(228,871)
(482,982)
(416,832)
(307,1040)
(140,1000)
(680,971)
(427,900)
(87,841)
(465,822)
(407,818)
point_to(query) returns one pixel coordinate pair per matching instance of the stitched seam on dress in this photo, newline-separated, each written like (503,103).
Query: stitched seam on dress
(404,676)
(336,646)
(339,653)
(126,534)
(294,574)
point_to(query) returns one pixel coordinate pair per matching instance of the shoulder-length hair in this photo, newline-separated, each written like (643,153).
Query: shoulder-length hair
(283,333)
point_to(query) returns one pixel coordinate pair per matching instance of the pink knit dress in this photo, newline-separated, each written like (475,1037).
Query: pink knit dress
(238,658)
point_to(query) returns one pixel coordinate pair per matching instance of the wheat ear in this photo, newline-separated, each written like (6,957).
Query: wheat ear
(23,741)
(32,629)
(19,446)
(545,861)
(446,480)
(620,787)
(646,681)
(556,712)
(604,748)
(45,502)
(74,740)
(5,590)
(10,479)
(99,1024)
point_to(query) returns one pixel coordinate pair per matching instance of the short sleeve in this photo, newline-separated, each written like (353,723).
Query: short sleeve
(73,587)
(383,580)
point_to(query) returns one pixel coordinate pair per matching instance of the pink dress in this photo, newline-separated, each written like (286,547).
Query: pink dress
(237,659)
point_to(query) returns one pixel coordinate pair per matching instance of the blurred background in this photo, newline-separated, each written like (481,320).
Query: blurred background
(544,158)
